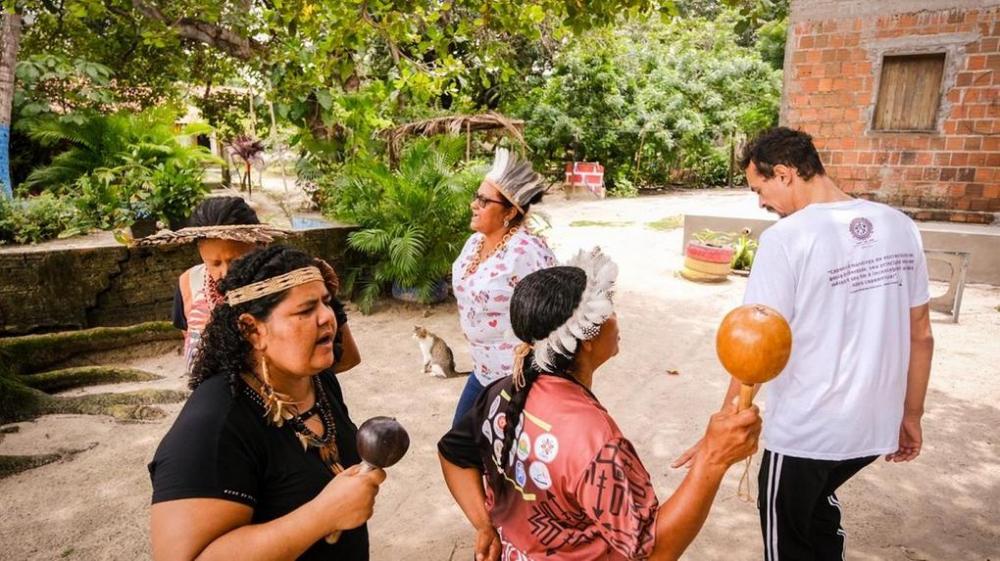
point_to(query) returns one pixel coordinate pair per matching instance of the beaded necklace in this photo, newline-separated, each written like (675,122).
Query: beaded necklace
(478,259)
(326,444)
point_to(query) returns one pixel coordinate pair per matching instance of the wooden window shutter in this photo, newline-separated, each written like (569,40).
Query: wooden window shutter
(909,93)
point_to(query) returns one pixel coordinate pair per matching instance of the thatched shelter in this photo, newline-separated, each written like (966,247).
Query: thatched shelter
(454,124)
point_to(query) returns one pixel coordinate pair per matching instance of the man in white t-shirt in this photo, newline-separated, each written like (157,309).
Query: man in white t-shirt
(850,277)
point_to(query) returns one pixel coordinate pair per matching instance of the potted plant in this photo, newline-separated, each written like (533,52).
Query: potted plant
(175,189)
(707,257)
(744,250)
(413,220)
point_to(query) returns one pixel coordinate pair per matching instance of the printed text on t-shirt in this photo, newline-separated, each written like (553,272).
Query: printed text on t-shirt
(872,273)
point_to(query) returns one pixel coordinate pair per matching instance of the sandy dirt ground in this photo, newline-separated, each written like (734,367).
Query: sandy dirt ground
(944,506)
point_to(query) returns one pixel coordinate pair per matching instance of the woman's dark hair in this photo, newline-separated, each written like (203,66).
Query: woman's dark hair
(519,217)
(223,211)
(542,302)
(782,145)
(224,349)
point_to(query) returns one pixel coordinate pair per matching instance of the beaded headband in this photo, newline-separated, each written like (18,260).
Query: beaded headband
(273,285)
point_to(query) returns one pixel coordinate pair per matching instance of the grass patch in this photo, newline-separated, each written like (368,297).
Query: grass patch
(29,354)
(128,406)
(11,465)
(25,386)
(69,378)
(667,223)
(599,223)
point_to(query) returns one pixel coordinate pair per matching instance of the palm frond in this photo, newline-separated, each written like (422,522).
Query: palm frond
(405,252)
(371,240)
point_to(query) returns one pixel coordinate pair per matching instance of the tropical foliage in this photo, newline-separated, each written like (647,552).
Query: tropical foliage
(34,220)
(413,219)
(250,153)
(107,172)
(654,102)
(89,141)
(657,91)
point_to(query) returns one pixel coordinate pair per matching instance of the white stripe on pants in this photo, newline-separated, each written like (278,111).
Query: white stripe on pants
(770,505)
(840,530)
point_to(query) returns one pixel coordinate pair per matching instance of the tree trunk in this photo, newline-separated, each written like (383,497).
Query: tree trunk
(223,153)
(732,160)
(10,36)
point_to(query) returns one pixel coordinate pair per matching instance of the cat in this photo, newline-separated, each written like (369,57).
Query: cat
(439,361)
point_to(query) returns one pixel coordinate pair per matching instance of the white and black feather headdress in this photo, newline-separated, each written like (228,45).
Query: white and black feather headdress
(595,308)
(514,178)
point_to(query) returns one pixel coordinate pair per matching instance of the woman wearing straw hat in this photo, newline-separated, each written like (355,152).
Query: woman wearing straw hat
(225,229)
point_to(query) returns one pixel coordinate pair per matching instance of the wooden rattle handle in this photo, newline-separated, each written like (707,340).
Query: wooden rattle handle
(746,397)
(333,537)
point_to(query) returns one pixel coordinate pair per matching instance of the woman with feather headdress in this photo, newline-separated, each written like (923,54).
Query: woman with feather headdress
(539,466)
(500,253)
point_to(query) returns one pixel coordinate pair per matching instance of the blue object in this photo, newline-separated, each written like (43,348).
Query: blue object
(438,293)
(5,184)
(305,223)
(469,395)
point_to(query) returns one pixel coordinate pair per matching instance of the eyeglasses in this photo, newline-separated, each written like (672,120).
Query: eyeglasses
(482,201)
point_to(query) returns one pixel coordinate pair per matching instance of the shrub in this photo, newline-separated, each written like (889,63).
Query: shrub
(114,197)
(93,141)
(654,102)
(121,167)
(414,219)
(35,219)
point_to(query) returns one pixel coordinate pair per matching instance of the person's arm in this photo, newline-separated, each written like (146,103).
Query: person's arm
(345,350)
(181,306)
(771,283)
(461,466)
(350,356)
(917,378)
(466,486)
(730,437)
(216,529)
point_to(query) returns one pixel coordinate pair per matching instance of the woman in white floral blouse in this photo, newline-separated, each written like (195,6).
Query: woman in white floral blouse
(500,253)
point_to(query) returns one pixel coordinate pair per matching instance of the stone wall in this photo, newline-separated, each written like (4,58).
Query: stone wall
(833,64)
(46,288)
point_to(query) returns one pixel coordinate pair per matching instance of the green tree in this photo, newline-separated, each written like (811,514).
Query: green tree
(337,71)
(653,101)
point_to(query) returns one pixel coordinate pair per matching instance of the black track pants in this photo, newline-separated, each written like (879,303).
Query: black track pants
(799,510)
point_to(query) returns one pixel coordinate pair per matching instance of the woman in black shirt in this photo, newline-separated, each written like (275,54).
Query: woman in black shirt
(254,465)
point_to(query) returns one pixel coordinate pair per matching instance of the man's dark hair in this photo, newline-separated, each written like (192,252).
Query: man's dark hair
(782,145)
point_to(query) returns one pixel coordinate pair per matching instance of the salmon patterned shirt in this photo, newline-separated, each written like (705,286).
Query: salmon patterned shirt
(205,296)
(573,487)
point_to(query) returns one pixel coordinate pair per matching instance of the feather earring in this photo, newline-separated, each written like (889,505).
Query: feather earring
(278,407)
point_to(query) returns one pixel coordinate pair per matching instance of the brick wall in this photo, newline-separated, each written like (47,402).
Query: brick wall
(588,175)
(832,69)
